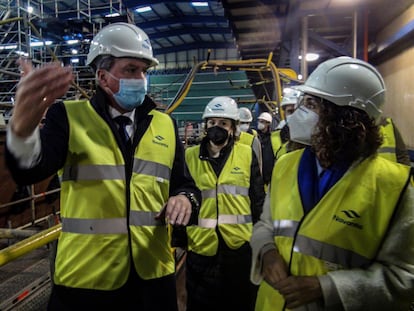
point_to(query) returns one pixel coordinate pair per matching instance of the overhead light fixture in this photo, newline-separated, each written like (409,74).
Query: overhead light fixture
(199,4)
(22,53)
(8,47)
(112,15)
(310,57)
(143,9)
(73,41)
(40,43)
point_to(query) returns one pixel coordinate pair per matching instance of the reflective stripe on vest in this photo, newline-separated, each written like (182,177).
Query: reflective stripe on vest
(226,201)
(285,227)
(224,219)
(225,189)
(94,210)
(99,172)
(342,231)
(161,172)
(93,172)
(388,147)
(109,226)
(94,226)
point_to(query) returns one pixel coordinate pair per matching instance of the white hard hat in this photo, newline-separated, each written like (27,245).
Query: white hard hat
(265,116)
(290,99)
(222,107)
(121,40)
(245,115)
(347,81)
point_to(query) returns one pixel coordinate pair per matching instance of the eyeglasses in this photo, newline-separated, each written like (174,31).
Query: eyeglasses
(310,102)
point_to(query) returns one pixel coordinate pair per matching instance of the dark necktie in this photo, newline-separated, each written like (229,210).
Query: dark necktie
(122,122)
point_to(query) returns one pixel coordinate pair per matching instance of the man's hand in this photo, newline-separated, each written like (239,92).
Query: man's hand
(37,90)
(177,211)
(299,290)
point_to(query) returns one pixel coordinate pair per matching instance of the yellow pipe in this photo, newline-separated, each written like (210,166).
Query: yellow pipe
(269,59)
(10,20)
(258,65)
(27,245)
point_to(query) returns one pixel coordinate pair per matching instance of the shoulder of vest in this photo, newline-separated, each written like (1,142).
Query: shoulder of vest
(391,166)
(275,133)
(245,134)
(76,102)
(291,156)
(192,148)
(161,116)
(242,146)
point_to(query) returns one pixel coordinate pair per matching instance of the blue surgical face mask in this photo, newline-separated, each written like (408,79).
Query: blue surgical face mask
(131,93)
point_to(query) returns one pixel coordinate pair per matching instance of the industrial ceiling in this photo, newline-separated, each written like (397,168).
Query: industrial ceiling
(183,34)
(244,29)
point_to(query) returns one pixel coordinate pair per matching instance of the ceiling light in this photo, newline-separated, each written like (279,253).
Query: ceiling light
(40,43)
(8,47)
(22,53)
(310,57)
(198,3)
(73,41)
(112,15)
(143,9)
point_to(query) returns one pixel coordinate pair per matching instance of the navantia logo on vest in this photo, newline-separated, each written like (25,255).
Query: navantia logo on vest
(352,216)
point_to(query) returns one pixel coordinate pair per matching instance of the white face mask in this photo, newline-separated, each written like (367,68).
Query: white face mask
(302,125)
(260,126)
(244,127)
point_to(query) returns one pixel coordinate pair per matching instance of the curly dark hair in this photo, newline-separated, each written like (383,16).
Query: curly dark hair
(344,134)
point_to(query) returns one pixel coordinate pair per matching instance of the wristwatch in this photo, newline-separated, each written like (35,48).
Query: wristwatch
(192,198)
(195,207)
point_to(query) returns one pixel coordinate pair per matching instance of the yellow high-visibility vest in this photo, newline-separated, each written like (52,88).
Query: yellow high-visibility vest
(225,201)
(100,224)
(341,231)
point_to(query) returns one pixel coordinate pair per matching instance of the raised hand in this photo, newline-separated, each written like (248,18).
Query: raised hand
(37,89)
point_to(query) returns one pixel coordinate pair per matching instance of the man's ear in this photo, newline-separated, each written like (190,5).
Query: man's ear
(102,76)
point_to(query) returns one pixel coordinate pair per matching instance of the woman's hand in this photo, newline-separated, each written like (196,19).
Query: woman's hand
(274,267)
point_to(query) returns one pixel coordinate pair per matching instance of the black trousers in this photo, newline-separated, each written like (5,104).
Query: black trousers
(220,282)
(137,294)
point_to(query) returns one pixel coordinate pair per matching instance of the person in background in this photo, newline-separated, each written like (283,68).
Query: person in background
(218,260)
(264,122)
(245,121)
(393,147)
(281,135)
(247,135)
(333,232)
(122,183)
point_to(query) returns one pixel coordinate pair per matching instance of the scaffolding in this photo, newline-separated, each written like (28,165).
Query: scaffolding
(49,30)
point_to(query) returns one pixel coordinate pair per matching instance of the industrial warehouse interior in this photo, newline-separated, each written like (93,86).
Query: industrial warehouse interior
(247,50)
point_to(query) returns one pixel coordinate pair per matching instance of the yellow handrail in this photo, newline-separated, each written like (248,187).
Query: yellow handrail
(27,245)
